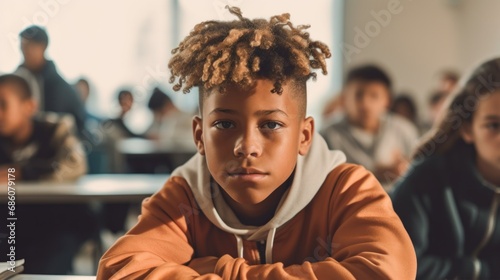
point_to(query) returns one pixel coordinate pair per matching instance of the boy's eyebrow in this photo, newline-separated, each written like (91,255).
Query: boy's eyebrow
(492,117)
(222,110)
(258,113)
(269,112)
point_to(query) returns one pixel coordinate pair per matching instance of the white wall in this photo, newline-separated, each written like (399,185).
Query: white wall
(479,36)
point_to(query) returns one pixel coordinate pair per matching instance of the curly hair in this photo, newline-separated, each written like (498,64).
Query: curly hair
(216,54)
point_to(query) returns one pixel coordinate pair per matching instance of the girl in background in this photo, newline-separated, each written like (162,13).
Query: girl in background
(449,199)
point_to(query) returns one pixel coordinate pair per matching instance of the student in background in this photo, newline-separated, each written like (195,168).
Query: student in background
(53,93)
(264,198)
(404,106)
(39,149)
(448,81)
(171,126)
(82,87)
(367,133)
(449,201)
(120,129)
(48,236)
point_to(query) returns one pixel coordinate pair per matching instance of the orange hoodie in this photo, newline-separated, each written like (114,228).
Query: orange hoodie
(335,222)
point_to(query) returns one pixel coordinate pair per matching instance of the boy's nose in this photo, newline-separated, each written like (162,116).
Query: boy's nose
(247,145)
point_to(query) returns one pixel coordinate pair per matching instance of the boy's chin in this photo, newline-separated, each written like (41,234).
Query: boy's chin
(249,198)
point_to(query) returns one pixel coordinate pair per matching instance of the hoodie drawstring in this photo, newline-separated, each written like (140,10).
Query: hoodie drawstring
(269,245)
(239,244)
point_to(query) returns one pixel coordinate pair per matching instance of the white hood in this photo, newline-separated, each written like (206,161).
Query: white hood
(310,173)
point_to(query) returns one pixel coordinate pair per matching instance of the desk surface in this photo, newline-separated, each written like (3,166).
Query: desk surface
(99,187)
(140,146)
(51,277)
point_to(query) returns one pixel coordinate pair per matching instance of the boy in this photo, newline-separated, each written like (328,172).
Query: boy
(368,134)
(40,150)
(264,198)
(47,236)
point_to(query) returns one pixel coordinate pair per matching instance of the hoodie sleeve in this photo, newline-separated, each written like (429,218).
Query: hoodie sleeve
(158,246)
(369,240)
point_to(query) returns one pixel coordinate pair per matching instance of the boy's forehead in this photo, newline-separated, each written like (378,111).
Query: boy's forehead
(6,88)
(259,94)
(10,90)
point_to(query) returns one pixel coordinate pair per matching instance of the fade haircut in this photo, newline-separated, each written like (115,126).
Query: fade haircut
(219,53)
(23,90)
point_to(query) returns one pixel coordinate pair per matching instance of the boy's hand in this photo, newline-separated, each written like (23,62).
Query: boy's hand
(203,265)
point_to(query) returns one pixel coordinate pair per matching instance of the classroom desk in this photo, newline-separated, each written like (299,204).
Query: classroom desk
(148,156)
(51,277)
(90,188)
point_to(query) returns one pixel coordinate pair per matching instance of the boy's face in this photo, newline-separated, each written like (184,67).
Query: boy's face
(126,101)
(365,102)
(83,90)
(14,111)
(251,139)
(34,54)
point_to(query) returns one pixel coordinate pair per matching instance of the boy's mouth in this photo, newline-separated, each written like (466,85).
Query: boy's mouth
(247,174)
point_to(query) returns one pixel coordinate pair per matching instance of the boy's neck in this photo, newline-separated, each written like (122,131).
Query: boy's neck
(21,137)
(259,214)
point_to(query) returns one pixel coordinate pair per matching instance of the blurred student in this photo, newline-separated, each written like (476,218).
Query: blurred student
(82,87)
(120,129)
(170,125)
(264,198)
(40,150)
(404,106)
(367,133)
(48,236)
(449,200)
(53,92)
(448,80)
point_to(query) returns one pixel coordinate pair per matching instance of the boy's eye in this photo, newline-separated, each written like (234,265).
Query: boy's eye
(224,125)
(493,126)
(272,125)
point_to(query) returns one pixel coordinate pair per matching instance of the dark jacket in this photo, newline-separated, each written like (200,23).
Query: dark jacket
(52,153)
(447,207)
(58,96)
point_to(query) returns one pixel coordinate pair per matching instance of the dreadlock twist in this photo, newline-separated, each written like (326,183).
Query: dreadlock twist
(217,53)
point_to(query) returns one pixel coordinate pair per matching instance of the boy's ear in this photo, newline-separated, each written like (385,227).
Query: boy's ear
(466,133)
(198,135)
(306,135)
